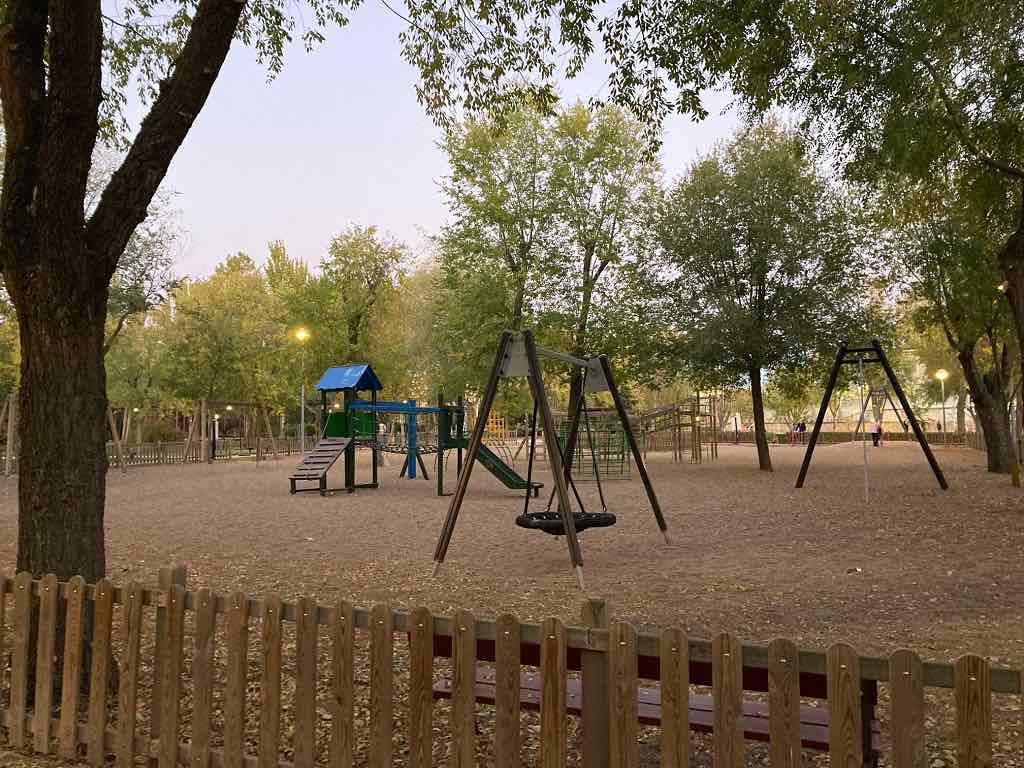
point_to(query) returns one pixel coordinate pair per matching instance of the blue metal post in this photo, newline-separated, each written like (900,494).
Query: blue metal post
(411,430)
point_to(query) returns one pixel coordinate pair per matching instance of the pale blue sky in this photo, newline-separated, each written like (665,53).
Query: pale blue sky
(337,138)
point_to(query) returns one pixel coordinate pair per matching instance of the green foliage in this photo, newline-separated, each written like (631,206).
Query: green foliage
(10,347)
(765,271)
(363,270)
(545,233)
(789,403)
(215,350)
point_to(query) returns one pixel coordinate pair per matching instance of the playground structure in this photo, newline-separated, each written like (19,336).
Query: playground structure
(387,426)
(687,426)
(605,454)
(861,356)
(519,355)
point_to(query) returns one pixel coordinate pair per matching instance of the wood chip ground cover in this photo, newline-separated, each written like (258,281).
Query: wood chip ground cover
(939,572)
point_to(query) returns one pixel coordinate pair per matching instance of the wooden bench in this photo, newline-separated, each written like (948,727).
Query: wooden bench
(813,720)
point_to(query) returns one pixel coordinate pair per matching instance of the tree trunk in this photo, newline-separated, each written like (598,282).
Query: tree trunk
(764,459)
(1011,262)
(991,409)
(517,307)
(63,429)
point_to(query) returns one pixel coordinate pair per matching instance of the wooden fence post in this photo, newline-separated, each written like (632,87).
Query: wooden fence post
(204,427)
(595,690)
(169,577)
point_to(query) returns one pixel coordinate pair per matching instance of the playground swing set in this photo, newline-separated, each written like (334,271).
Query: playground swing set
(519,355)
(861,356)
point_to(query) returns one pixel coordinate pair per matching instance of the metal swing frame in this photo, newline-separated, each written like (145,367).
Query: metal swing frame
(519,355)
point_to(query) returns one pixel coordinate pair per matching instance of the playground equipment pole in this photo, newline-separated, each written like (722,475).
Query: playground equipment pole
(942,374)
(302,334)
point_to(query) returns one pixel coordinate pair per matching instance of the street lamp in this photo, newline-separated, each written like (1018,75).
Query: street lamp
(942,374)
(302,335)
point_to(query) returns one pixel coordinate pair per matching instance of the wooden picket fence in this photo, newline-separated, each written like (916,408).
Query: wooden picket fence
(225,626)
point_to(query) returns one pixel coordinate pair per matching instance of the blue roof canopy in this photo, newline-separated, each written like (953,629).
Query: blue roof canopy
(359,377)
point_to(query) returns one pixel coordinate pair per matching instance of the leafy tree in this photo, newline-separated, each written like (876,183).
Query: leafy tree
(948,262)
(500,200)
(789,404)
(600,173)
(216,351)
(364,269)
(765,272)
(10,348)
(144,278)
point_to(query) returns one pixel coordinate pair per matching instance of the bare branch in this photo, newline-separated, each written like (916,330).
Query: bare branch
(125,200)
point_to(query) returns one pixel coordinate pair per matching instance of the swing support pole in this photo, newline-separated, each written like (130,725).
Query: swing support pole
(878,357)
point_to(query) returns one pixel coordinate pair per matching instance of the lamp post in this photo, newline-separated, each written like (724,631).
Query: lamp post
(302,335)
(942,374)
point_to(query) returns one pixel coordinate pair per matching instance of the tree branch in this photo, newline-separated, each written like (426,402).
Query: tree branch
(125,200)
(952,111)
(117,330)
(23,94)
(74,56)
(956,120)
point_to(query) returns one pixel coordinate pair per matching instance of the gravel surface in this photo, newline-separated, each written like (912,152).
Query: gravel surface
(940,572)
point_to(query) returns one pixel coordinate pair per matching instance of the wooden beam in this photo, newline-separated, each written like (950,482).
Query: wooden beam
(921,439)
(638,459)
(822,411)
(117,440)
(475,441)
(554,456)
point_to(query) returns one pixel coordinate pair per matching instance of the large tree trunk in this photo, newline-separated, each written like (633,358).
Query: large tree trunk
(764,459)
(63,428)
(1011,262)
(995,428)
(991,408)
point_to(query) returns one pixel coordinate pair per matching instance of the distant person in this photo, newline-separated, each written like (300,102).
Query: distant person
(876,434)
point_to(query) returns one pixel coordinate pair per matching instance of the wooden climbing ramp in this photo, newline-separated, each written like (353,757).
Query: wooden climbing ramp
(317,463)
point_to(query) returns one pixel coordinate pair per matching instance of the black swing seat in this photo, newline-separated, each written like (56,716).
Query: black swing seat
(551,522)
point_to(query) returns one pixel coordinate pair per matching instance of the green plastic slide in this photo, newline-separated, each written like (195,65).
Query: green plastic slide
(502,471)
